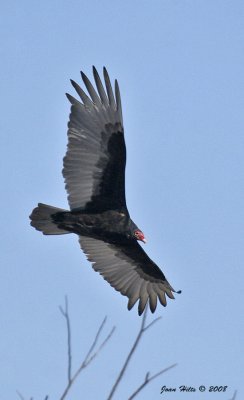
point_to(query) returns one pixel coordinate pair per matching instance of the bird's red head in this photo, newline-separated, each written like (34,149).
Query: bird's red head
(139,236)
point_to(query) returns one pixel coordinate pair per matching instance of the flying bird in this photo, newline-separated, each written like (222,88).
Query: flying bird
(94,174)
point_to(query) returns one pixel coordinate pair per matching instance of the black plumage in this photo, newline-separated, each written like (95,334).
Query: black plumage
(94,174)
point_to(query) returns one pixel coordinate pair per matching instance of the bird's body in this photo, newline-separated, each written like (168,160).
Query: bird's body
(111,225)
(94,172)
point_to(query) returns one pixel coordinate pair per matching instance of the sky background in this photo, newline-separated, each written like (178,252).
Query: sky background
(180,66)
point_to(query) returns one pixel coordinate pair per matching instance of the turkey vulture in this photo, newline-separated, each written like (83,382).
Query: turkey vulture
(94,174)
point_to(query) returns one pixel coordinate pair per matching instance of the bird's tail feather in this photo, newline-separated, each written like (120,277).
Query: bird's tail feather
(41,219)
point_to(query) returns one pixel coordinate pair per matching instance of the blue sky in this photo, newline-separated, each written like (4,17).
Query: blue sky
(180,70)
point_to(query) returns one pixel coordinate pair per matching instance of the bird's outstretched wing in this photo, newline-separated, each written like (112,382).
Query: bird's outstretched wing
(94,165)
(129,270)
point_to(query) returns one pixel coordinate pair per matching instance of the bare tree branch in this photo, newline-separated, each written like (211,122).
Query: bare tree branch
(143,328)
(90,355)
(93,353)
(66,316)
(148,380)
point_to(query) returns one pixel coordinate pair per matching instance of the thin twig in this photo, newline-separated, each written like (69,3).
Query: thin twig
(151,323)
(96,339)
(100,347)
(20,395)
(143,328)
(87,360)
(66,316)
(234,395)
(148,380)
(89,357)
